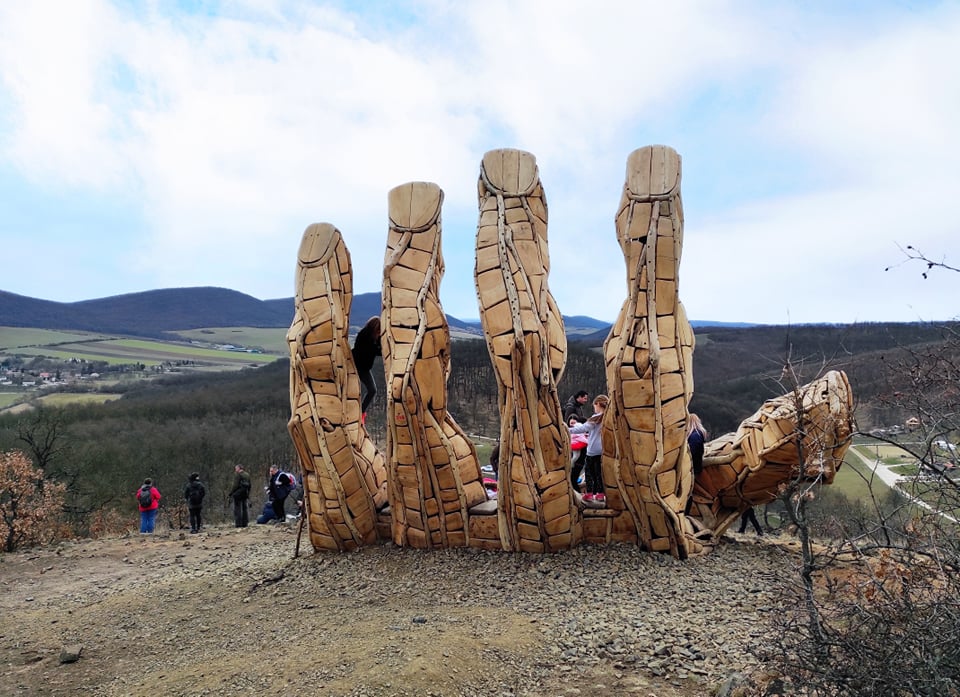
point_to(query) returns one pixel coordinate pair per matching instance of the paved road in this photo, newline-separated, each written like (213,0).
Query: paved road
(892,479)
(880,470)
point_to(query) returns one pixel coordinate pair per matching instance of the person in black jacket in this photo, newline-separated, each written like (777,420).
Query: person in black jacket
(572,415)
(696,437)
(573,407)
(366,348)
(240,493)
(194,493)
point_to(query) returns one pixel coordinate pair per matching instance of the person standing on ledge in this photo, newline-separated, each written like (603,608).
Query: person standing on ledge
(748,516)
(573,415)
(148,501)
(696,438)
(240,493)
(194,493)
(594,450)
(366,348)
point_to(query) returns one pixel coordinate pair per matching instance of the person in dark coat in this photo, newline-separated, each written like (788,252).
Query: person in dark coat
(696,438)
(574,407)
(748,516)
(279,487)
(573,415)
(495,459)
(366,348)
(240,493)
(194,493)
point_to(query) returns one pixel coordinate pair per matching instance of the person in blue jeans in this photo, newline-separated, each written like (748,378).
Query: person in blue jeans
(148,502)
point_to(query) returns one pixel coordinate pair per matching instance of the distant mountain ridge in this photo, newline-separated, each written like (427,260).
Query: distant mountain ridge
(156,312)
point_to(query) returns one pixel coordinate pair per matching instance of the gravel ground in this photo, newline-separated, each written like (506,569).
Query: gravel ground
(230,612)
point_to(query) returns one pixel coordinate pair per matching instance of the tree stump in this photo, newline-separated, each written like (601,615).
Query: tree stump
(433,469)
(525,337)
(344,475)
(649,359)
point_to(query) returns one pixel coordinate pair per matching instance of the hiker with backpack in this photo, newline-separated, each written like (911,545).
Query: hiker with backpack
(194,493)
(240,493)
(148,502)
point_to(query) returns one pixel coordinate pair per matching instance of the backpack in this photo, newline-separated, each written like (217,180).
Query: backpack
(195,493)
(245,485)
(145,497)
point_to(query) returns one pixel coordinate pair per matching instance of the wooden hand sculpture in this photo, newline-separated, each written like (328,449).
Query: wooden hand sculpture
(813,424)
(432,478)
(649,359)
(528,347)
(344,476)
(432,466)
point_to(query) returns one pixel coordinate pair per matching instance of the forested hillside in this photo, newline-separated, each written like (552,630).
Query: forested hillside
(168,427)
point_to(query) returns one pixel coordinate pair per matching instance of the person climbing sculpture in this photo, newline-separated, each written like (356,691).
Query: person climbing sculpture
(366,348)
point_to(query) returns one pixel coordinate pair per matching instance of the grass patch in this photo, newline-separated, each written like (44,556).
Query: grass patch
(22,337)
(62,399)
(270,340)
(9,398)
(130,351)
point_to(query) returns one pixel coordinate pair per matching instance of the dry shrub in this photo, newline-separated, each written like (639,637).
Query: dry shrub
(30,506)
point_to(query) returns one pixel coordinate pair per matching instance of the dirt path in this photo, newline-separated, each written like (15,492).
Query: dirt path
(229,612)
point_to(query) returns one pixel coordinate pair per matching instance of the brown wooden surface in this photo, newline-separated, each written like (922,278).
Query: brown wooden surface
(433,468)
(344,475)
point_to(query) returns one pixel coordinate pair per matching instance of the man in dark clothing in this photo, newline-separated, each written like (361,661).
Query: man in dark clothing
(240,493)
(194,493)
(572,412)
(366,348)
(574,406)
(279,487)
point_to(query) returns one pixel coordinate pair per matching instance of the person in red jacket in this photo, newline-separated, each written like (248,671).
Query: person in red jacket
(148,501)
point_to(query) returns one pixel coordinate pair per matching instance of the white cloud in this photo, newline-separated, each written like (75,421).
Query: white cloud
(813,129)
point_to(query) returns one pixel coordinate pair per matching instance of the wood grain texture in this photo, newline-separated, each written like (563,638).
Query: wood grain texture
(433,469)
(344,475)
(525,337)
(649,360)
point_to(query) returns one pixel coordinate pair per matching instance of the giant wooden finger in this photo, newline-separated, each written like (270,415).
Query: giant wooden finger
(344,475)
(525,336)
(813,424)
(433,469)
(648,353)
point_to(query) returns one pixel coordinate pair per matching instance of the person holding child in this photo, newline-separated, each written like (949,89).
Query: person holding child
(594,450)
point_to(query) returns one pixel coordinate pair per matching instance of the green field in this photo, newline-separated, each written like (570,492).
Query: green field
(116,350)
(270,340)
(21,337)
(8,398)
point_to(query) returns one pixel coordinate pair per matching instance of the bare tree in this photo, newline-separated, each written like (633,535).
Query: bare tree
(881,600)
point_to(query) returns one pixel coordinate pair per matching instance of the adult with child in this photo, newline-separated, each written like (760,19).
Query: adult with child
(148,502)
(240,494)
(194,493)
(573,407)
(366,348)
(573,415)
(279,486)
(594,451)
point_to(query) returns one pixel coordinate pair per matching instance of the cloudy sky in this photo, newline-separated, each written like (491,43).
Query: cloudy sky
(150,145)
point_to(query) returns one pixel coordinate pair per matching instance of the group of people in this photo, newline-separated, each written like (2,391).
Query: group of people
(280,486)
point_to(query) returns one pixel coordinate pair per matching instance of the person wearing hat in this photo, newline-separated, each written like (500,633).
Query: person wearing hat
(194,493)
